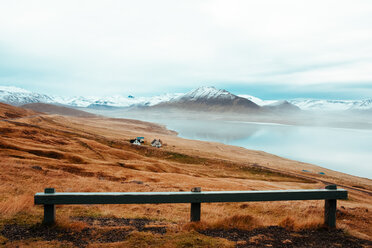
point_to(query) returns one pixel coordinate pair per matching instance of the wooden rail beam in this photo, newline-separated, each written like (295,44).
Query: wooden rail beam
(330,194)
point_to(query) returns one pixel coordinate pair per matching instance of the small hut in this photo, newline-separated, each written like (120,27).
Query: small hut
(156,143)
(137,141)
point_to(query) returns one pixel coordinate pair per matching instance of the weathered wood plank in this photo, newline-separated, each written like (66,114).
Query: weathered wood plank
(187,197)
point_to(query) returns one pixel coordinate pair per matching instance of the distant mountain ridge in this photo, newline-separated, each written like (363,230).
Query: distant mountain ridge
(17,96)
(332,105)
(207,96)
(210,99)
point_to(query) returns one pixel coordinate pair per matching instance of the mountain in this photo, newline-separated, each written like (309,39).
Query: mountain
(315,104)
(283,106)
(273,105)
(332,105)
(55,109)
(78,101)
(363,105)
(256,100)
(17,96)
(207,98)
(130,101)
(116,101)
(210,99)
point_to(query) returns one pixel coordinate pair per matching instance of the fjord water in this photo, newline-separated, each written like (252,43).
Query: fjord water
(339,149)
(345,150)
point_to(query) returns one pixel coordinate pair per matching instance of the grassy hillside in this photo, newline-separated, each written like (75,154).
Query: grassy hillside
(55,109)
(11,112)
(94,154)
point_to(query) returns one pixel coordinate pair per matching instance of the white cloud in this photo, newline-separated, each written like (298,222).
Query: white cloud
(144,46)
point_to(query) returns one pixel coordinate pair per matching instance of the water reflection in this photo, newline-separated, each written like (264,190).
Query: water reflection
(212,130)
(345,150)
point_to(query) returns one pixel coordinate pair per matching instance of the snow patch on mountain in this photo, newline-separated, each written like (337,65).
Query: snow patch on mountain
(115,101)
(364,104)
(75,101)
(331,105)
(18,96)
(315,104)
(259,101)
(205,93)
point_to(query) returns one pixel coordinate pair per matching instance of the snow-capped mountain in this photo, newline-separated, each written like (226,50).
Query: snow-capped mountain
(364,104)
(332,105)
(316,105)
(202,95)
(114,101)
(78,101)
(281,105)
(257,100)
(205,93)
(18,96)
(211,99)
(121,101)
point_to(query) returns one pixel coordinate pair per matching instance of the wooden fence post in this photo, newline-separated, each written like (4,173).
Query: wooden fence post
(195,207)
(330,209)
(49,209)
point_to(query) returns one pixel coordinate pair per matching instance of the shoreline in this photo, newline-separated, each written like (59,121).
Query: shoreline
(290,157)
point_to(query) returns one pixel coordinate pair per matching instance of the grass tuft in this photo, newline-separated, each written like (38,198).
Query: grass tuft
(243,222)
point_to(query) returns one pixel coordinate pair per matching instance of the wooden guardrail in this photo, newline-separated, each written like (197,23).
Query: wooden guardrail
(330,194)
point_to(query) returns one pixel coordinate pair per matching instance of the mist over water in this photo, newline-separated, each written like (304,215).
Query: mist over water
(344,150)
(347,150)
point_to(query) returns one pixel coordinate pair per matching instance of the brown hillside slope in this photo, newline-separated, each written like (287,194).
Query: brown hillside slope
(94,154)
(10,112)
(55,109)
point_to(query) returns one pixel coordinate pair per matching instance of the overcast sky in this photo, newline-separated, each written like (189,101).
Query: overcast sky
(270,49)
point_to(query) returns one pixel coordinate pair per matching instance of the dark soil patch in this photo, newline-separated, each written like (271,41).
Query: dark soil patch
(101,230)
(15,232)
(47,154)
(36,167)
(11,115)
(137,224)
(17,156)
(275,236)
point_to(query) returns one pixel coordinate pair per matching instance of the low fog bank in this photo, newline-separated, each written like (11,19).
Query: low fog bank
(336,119)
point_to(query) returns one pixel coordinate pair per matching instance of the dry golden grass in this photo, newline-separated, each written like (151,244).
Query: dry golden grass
(93,154)
(244,222)
(10,112)
(16,204)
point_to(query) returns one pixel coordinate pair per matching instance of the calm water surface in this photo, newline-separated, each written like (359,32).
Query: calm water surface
(344,150)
